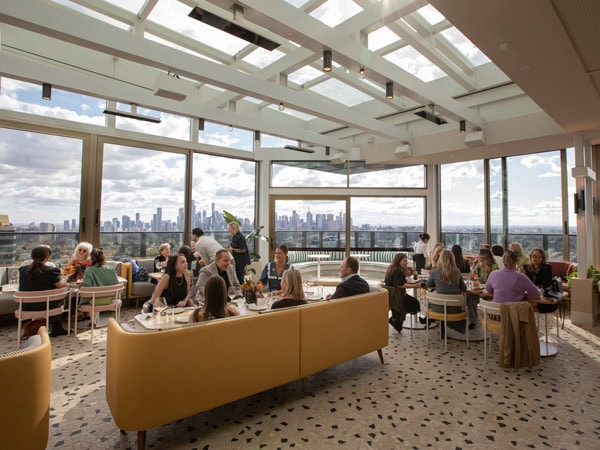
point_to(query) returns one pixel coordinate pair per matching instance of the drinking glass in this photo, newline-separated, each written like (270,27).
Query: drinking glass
(14,277)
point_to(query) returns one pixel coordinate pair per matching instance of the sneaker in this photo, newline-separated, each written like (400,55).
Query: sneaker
(59,331)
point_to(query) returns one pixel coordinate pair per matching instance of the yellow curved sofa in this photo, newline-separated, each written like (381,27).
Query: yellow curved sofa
(210,364)
(25,395)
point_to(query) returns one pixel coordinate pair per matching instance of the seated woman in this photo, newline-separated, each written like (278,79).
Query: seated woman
(99,274)
(38,276)
(174,286)
(522,259)
(80,261)
(216,305)
(273,271)
(396,276)
(508,285)
(293,293)
(538,270)
(432,259)
(447,279)
(461,262)
(485,265)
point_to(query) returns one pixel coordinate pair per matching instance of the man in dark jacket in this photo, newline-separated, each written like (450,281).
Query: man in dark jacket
(352,283)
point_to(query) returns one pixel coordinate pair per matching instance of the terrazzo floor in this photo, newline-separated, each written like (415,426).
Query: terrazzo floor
(419,398)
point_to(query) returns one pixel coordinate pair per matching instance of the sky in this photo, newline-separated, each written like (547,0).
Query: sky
(47,187)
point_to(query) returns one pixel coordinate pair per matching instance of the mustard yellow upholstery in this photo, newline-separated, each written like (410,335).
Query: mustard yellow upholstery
(342,329)
(200,366)
(25,396)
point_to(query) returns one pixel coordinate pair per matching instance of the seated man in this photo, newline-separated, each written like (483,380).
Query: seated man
(352,283)
(220,267)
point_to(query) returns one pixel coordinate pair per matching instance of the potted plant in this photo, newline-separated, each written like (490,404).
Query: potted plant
(592,273)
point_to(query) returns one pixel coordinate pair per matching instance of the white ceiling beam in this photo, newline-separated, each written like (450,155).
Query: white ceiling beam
(90,33)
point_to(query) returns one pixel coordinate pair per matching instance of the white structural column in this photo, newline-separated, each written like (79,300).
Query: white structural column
(582,296)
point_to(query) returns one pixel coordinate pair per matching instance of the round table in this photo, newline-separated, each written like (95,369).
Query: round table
(318,258)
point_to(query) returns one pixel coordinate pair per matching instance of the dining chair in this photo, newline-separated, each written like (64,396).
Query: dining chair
(445,300)
(47,296)
(489,323)
(92,309)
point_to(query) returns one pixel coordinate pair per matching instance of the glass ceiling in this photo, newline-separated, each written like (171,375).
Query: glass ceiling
(414,47)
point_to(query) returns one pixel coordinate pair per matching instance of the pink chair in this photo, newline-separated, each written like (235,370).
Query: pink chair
(92,293)
(38,297)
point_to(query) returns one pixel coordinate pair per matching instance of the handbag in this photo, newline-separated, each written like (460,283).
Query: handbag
(31,328)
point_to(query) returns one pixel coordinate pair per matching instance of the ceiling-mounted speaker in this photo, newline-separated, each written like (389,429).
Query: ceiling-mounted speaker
(170,87)
(402,151)
(475,139)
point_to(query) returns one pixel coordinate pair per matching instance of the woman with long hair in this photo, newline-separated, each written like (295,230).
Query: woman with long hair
(522,259)
(485,264)
(447,279)
(397,275)
(273,271)
(174,285)
(538,270)
(293,293)
(216,305)
(38,276)
(239,249)
(434,255)
(461,262)
(99,274)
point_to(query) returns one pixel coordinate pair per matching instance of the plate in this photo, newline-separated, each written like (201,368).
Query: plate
(181,319)
(176,310)
(313,298)
(253,307)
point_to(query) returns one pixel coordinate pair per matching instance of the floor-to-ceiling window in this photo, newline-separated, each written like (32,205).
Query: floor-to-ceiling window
(534,202)
(223,184)
(40,175)
(143,196)
(462,205)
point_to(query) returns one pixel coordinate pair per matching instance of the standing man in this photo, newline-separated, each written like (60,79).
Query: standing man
(352,283)
(204,247)
(220,267)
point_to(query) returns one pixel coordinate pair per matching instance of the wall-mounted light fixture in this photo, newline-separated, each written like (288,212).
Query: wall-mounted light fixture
(201,124)
(281,106)
(46,91)
(327,58)
(389,90)
(230,127)
(463,126)
(361,73)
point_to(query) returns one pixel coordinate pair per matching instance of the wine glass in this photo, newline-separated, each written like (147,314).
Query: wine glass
(14,277)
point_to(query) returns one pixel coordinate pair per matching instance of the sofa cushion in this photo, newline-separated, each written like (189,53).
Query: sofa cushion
(142,288)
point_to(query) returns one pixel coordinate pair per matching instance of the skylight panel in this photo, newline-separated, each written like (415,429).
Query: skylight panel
(262,57)
(464,46)
(334,12)
(304,74)
(296,3)
(381,38)
(415,63)
(340,92)
(431,15)
(91,13)
(174,15)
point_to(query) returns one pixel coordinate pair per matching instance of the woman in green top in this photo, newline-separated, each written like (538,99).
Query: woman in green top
(485,264)
(99,274)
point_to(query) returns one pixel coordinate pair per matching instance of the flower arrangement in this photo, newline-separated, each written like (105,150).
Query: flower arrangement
(75,269)
(250,290)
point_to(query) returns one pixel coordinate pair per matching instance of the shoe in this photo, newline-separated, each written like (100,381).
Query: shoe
(59,331)
(472,326)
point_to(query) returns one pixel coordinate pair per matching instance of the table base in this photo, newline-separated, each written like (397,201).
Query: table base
(416,325)
(547,349)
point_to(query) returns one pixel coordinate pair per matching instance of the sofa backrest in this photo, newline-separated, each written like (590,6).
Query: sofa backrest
(562,268)
(201,366)
(339,330)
